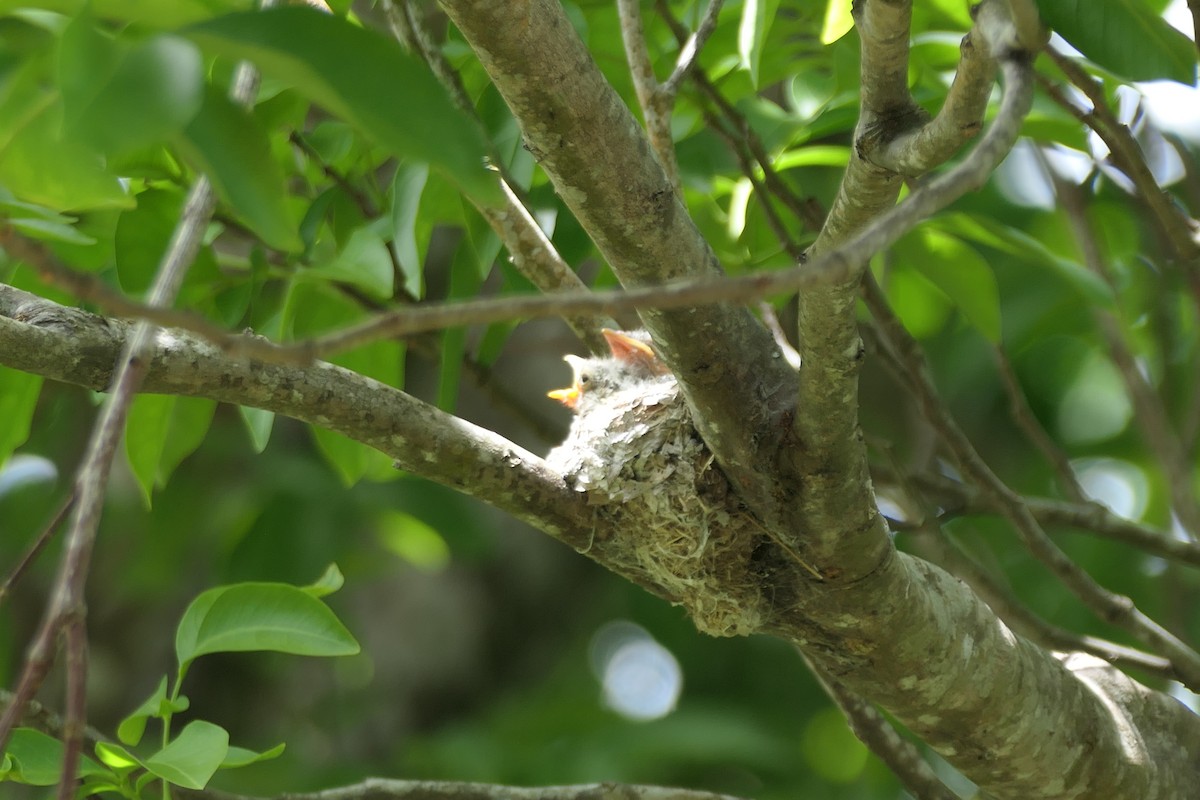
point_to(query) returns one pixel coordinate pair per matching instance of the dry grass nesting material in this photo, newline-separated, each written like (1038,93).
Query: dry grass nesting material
(663,508)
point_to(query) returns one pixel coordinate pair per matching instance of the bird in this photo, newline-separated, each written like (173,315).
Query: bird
(633,365)
(668,514)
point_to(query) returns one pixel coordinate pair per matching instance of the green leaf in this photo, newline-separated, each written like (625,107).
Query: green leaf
(258,424)
(145,435)
(38,165)
(1123,36)
(413,540)
(35,759)
(408,243)
(260,616)
(157,705)
(227,144)
(117,758)
(186,428)
(814,156)
(330,581)
(142,236)
(153,13)
(362,262)
(363,78)
(964,276)
(194,755)
(18,397)
(1090,287)
(149,94)
(757,16)
(241,757)
(838,21)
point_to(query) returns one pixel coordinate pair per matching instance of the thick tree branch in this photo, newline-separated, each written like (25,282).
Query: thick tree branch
(593,150)
(384,789)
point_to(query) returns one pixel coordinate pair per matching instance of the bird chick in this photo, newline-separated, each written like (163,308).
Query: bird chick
(598,381)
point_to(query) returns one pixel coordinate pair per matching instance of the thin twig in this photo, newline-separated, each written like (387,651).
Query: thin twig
(1150,413)
(935,545)
(386,789)
(689,53)
(1089,517)
(35,549)
(66,610)
(1112,608)
(532,252)
(1128,157)
(1028,422)
(657,105)
(881,738)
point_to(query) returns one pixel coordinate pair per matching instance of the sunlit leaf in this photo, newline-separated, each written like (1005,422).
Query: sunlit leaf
(838,21)
(148,94)
(757,16)
(1124,36)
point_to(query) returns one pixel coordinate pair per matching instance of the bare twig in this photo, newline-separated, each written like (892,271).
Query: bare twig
(1127,155)
(35,549)
(690,51)
(66,610)
(531,250)
(935,545)
(384,789)
(1149,412)
(1025,419)
(1087,517)
(1112,608)
(656,104)
(881,738)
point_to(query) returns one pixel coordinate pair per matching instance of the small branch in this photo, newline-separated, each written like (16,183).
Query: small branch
(91,289)
(1028,422)
(35,549)
(656,104)
(1127,155)
(935,545)
(385,789)
(532,252)
(1086,517)
(1149,411)
(931,144)
(1112,608)
(881,738)
(689,53)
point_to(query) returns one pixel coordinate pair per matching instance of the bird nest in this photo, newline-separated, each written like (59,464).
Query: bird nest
(665,514)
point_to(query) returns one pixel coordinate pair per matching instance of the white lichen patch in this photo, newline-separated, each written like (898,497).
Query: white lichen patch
(641,463)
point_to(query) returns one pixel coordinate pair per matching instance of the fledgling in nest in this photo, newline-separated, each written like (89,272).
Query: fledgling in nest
(633,450)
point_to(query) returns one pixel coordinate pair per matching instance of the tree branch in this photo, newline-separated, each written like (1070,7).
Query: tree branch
(589,144)
(385,789)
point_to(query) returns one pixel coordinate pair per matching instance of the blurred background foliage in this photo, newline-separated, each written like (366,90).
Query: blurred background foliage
(480,635)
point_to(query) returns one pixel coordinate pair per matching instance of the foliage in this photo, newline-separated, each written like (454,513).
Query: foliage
(353,185)
(240,617)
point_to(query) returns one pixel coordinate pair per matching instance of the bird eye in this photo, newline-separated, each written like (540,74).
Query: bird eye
(584,379)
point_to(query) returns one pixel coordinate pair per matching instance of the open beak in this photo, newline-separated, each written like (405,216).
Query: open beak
(569,397)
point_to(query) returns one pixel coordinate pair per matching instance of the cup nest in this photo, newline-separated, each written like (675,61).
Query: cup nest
(664,512)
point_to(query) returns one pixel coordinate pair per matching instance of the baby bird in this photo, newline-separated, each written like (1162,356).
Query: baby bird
(600,381)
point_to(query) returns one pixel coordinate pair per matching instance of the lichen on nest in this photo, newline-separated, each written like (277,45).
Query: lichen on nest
(663,507)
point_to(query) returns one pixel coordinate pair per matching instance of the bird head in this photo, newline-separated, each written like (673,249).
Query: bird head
(633,359)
